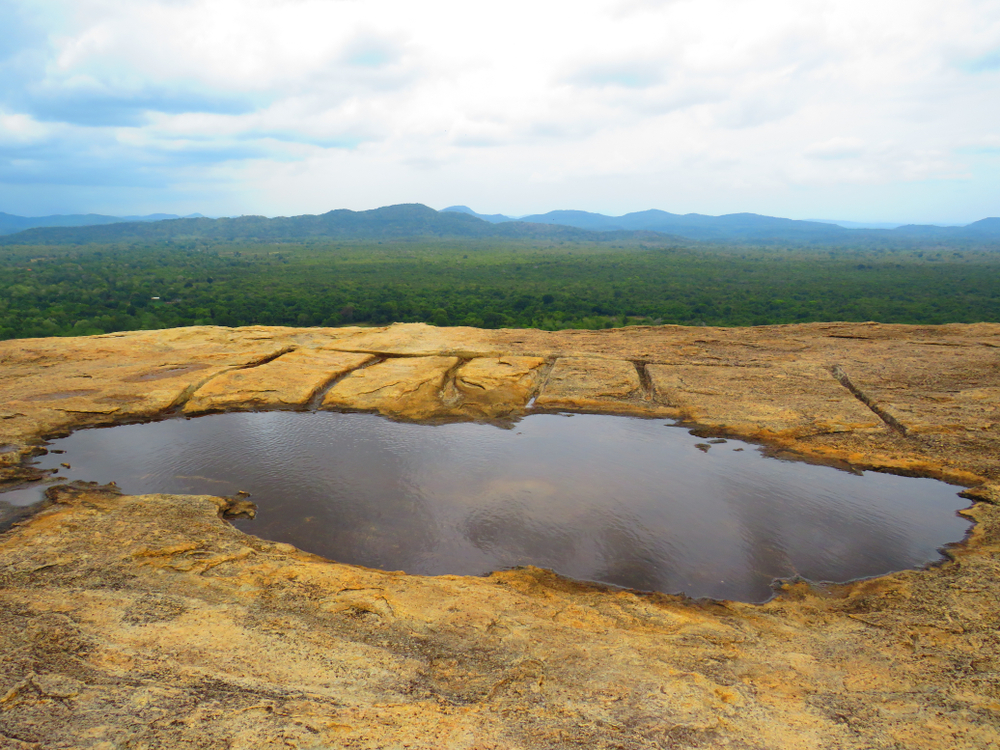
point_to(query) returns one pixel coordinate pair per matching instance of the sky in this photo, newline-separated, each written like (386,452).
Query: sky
(874,110)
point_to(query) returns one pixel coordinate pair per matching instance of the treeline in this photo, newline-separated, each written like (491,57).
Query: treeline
(58,291)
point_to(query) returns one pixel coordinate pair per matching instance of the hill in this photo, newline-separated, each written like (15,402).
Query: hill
(492,218)
(10,224)
(755,228)
(389,222)
(415,220)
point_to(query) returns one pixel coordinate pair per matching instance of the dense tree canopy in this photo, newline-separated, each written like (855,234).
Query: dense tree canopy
(76,290)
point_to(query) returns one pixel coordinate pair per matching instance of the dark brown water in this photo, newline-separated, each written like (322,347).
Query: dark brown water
(624,501)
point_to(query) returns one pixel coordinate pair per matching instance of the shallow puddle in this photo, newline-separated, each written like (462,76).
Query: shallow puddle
(632,502)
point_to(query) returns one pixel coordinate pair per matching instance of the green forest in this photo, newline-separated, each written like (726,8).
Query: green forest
(68,290)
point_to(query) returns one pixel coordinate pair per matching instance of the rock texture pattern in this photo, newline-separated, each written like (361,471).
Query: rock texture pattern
(150,622)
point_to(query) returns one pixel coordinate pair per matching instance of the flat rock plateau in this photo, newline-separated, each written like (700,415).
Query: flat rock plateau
(150,622)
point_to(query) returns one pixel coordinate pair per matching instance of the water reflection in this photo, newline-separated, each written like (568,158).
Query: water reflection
(625,501)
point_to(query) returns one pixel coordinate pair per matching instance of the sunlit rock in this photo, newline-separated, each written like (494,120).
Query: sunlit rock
(150,621)
(289,380)
(400,386)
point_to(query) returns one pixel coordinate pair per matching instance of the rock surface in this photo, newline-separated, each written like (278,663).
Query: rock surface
(150,622)
(493,387)
(400,387)
(290,380)
(594,385)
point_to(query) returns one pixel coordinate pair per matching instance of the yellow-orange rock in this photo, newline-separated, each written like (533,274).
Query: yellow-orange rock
(400,386)
(947,398)
(290,380)
(150,622)
(52,385)
(783,399)
(592,384)
(418,340)
(497,386)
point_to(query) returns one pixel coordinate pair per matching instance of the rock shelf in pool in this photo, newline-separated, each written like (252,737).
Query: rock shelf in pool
(630,502)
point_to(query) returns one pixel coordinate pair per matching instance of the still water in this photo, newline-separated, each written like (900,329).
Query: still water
(625,501)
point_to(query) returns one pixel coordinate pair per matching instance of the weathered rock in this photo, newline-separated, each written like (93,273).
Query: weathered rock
(290,380)
(492,387)
(150,622)
(49,384)
(401,386)
(786,399)
(949,399)
(418,340)
(595,385)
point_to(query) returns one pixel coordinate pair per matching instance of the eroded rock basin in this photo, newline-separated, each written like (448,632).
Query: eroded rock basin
(636,503)
(147,621)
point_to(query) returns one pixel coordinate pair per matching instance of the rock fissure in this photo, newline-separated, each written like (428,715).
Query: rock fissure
(449,393)
(182,399)
(267,359)
(317,396)
(648,392)
(546,371)
(864,398)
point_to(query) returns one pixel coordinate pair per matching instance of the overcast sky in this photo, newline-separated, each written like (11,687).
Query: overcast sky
(866,110)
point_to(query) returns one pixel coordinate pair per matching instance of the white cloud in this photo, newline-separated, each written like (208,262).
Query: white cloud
(837,148)
(21,129)
(613,105)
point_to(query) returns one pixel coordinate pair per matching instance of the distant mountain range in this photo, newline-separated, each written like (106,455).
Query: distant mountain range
(868,224)
(390,222)
(416,220)
(744,227)
(10,223)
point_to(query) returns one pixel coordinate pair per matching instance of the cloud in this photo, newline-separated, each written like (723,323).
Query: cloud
(39,153)
(297,105)
(19,33)
(88,103)
(632,75)
(837,148)
(370,50)
(626,8)
(985,63)
(987,144)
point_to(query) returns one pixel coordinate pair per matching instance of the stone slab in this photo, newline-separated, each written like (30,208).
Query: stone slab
(784,399)
(410,386)
(493,387)
(290,380)
(590,384)
(950,398)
